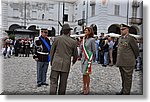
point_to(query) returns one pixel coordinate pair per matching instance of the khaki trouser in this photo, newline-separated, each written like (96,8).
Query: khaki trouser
(110,56)
(54,82)
(126,76)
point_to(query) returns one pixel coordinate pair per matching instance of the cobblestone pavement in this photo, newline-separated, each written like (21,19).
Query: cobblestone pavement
(19,77)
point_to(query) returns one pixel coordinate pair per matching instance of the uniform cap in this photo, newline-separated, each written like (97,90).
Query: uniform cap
(124,25)
(43,29)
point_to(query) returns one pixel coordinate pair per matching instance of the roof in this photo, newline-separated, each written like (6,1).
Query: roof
(23,30)
(19,30)
(65,1)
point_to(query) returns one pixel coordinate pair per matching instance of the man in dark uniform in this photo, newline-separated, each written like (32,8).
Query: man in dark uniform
(42,56)
(16,47)
(128,51)
(27,48)
(101,50)
(62,49)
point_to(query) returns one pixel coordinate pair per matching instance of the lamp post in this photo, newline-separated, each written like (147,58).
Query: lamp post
(127,11)
(63,12)
(87,13)
(25,13)
(58,15)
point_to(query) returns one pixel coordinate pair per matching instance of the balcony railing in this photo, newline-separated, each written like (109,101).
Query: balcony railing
(135,4)
(137,21)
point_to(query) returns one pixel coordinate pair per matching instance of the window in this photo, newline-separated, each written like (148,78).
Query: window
(42,16)
(15,12)
(66,9)
(76,7)
(51,6)
(93,10)
(92,2)
(66,17)
(34,14)
(83,14)
(117,8)
(83,2)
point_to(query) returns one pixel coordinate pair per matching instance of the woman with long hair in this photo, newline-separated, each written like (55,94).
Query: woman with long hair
(88,51)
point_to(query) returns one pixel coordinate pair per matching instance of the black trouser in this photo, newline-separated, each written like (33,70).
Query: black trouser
(101,57)
(16,52)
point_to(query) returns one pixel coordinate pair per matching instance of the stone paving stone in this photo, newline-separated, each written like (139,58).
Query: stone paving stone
(19,77)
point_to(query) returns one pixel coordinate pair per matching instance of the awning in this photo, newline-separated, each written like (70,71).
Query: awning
(21,31)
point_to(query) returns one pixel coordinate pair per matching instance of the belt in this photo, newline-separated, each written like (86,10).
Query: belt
(43,53)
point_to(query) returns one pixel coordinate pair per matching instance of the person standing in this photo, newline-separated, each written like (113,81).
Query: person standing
(127,53)
(111,44)
(63,48)
(22,48)
(16,47)
(88,50)
(97,49)
(42,56)
(101,50)
(115,47)
(106,50)
(27,48)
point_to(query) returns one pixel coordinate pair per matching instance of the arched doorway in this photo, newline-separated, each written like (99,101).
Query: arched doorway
(13,27)
(94,28)
(134,30)
(114,28)
(52,32)
(32,27)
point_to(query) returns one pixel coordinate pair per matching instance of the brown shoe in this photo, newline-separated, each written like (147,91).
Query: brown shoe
(86,92)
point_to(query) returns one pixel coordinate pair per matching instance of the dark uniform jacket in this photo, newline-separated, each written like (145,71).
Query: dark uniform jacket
(127,52)
(40,47)
(62,49)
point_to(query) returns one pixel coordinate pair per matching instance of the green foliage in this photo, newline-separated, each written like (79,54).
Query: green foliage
(12,36)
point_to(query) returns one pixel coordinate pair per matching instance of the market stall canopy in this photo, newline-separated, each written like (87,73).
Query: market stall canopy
(20,30)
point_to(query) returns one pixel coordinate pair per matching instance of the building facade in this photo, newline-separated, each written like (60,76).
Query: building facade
(100,14)
(103,13)
(30,14)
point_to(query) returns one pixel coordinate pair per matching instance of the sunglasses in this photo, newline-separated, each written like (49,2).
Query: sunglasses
(123,28)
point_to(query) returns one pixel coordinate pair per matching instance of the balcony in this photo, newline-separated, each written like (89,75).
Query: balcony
(92,2)
(135,4)
(81,22)
(137,21)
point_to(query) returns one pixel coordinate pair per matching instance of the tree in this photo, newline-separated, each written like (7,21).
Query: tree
(12,36)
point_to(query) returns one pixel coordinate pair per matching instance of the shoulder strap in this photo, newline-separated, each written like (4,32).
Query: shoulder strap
(46,44)
(88,56)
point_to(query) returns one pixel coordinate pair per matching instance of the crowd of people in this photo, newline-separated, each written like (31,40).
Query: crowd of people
(18,47)
(106,50)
